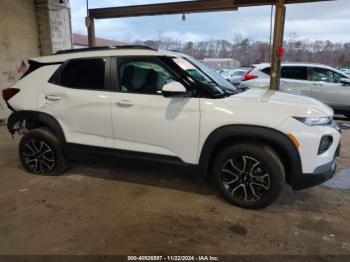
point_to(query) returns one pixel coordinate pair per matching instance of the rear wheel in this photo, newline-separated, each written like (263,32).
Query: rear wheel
(41,153)
(249,175)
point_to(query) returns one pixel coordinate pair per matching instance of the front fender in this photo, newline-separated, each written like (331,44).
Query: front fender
(274,138)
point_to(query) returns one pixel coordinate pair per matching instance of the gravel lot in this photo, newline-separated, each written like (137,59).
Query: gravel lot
(119,207)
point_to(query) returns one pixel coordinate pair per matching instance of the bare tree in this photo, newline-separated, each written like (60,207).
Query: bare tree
(253,52)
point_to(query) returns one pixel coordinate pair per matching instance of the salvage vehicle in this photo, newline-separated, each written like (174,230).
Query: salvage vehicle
(141,103)
(322,82)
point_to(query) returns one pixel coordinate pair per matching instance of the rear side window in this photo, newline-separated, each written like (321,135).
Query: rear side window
(266,70)
(291,72)
(294,72)
(83,74)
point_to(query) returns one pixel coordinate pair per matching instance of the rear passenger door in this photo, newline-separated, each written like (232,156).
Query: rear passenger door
(79,98)
(294,80)
(146,121)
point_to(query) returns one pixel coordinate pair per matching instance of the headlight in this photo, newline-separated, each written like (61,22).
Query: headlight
(315,121)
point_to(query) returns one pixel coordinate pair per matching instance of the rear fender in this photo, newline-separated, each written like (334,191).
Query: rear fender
(16,120)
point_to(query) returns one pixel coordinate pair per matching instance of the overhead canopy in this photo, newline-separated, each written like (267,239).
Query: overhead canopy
(198,6)
(183,7)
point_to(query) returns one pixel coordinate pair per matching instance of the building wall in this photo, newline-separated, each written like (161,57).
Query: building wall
(53,19)
(18,39)
(29,28)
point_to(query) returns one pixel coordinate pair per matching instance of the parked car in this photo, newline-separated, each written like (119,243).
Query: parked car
(140,103)
(235,76)
(321,82)
(224,72)
(346,70)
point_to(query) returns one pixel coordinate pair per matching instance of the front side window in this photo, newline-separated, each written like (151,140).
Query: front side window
(326,75)
(142,75)
(294,72)
(83,74)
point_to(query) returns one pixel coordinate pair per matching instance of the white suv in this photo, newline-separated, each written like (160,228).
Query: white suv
(138,102)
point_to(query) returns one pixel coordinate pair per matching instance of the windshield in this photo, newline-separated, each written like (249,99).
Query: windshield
(204,74)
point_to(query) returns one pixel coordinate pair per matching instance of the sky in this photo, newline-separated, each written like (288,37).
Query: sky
(312,21)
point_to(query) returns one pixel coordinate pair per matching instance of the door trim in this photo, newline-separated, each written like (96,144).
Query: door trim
(80,152)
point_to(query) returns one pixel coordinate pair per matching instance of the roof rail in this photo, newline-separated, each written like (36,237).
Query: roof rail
(99,48)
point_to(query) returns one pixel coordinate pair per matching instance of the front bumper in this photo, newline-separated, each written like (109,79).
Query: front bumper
(320,175)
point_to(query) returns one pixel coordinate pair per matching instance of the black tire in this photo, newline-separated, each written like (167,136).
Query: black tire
(249,175)
(41,153)
(348,116)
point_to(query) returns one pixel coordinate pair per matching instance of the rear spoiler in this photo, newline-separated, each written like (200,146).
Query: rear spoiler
(34,65)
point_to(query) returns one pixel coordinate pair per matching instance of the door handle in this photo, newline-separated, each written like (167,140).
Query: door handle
(124,103)
(52,98)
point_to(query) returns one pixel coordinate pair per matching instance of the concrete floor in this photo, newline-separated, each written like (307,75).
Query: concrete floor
(120,208)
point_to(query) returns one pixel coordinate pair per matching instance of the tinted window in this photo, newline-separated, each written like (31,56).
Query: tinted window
(142,75)
(291,72)
(266,70)
(84,74)
(294,72)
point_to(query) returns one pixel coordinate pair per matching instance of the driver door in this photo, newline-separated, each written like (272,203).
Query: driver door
(326,88)
(146,121)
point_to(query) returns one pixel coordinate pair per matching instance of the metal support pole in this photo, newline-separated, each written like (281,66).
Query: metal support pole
(277,44)
(90,24)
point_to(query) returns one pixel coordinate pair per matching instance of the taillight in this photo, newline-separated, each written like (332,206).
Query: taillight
(247,76)
(8,93)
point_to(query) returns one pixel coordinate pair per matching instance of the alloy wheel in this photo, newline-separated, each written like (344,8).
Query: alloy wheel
(38,156)
(245,178)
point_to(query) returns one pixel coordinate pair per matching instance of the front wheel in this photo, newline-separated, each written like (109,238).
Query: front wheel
(249,175)
(41,153)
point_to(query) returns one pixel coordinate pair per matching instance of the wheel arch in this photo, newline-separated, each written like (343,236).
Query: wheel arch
(35,119)
(227,135)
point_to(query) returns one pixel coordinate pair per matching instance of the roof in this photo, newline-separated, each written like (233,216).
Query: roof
(82,40)
(126,50)
(263,65)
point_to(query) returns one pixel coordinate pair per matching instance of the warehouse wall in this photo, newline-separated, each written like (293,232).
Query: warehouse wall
(30,28)
(54,26)
(18,39)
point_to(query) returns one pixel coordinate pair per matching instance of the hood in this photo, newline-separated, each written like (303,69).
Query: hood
(294,105)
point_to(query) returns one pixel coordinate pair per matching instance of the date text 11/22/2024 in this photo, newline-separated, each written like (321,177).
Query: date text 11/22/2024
(173,258)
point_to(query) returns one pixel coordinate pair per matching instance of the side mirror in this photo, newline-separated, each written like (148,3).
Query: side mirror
(174,89)
(345,81)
